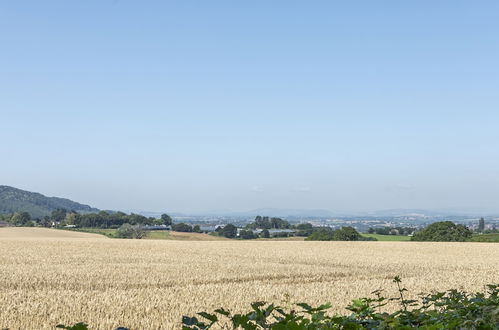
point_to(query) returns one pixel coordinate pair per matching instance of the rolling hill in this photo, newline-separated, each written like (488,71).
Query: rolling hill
(17,200)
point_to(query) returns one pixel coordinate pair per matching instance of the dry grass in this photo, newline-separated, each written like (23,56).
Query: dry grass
(149,284)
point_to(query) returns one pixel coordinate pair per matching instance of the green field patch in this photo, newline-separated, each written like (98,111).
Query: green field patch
(391,238)
(485,238)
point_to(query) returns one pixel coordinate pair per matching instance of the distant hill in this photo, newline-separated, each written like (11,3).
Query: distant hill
(17,200)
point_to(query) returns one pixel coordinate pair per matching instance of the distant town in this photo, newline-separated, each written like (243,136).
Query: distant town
(361,224)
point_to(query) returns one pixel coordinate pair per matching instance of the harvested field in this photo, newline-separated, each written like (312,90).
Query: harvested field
(50,276)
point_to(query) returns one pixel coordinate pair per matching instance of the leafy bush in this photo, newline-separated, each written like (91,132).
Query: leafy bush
(265,234)
(229,231)
(182,227)
(342,234)
(129,231)
(247,234)
(445,310)
(443,231)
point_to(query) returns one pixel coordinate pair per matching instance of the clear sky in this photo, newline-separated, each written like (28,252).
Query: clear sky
(202,105)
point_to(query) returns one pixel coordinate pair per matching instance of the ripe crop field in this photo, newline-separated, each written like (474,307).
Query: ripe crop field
(50,277)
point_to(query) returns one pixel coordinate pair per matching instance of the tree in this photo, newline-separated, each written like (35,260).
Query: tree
(45,222)
(229,231)
(481,225)
(72,218)
(58,215)
(346,234)
(129,231)
(322,234)
(278,223)
(265,233)
(196,229)
(20,218)
(167,220)
(182,227)
(443,231)
(342,234)
(247,234)
(304,226)
(304,229)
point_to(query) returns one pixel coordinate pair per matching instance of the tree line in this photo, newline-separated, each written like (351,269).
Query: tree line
(102,219)
(391,230)
(131,225)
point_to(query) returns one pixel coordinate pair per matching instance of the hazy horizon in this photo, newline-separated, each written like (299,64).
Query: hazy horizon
(191,107)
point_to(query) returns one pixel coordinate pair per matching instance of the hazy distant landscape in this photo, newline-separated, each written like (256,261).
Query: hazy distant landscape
(98,266)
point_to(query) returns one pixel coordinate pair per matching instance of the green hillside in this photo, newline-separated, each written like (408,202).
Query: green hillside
(17,200)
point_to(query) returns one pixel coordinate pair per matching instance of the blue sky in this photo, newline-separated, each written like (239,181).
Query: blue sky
(201,105)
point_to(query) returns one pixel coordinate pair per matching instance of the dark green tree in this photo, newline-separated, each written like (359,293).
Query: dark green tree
(265,233)
(443,231)
(59,215)
(322,234)
(481,225)
(20,218)
(229,231)
(182,227)
(167,220)
(342,234)
(247,234)
(346,234)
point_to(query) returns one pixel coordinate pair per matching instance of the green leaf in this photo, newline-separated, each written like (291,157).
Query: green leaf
(189,320)
(222,311)
(305,306)
(210,317)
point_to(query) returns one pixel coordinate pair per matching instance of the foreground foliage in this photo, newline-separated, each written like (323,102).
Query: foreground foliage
(443,310)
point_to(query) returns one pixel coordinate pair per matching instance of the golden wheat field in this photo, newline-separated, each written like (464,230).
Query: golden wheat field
(50,277)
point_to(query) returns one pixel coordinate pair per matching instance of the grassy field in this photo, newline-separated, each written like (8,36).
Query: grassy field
(53,276)
(486,238)
(388,238)
(100,231)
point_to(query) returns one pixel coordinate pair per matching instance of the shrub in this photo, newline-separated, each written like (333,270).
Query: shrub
(328,234)
(229,231)
(129,231)
(247,234)
(182,227)
(445,310)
